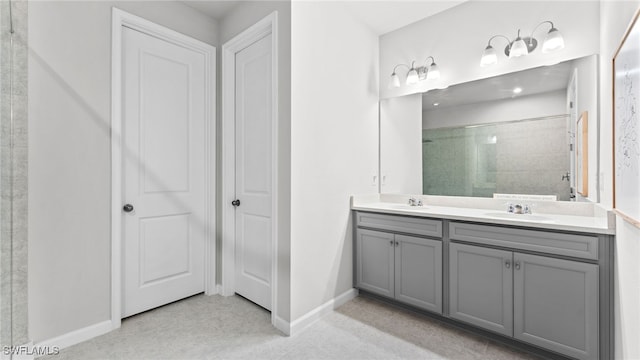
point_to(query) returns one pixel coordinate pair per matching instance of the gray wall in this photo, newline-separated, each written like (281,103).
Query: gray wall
(69,155)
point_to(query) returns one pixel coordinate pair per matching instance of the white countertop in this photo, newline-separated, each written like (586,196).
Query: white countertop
(554,215)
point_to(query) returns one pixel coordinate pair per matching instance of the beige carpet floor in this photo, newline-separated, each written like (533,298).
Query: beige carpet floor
(216,327)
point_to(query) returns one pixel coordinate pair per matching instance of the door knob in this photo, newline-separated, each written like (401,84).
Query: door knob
(235,202)
(127,208)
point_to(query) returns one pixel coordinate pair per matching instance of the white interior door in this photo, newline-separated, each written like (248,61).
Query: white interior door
(164,172)
(253,216)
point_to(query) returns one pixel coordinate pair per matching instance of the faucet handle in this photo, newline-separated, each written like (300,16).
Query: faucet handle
(527,209)
(510,207)
(419,202)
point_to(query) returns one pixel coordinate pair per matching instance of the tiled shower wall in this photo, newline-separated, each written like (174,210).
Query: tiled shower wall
(13,175)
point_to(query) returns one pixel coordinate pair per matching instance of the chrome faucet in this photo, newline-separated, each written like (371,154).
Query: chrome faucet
(519,209)
(414,202)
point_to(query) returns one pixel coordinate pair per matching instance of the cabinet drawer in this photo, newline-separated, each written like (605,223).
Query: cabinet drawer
(580,246)
(401,224)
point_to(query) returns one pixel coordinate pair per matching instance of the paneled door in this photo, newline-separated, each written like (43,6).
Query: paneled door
(253,186)
(164,172)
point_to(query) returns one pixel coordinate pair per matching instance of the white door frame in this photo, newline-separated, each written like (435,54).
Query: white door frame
(262,28)
(122,19)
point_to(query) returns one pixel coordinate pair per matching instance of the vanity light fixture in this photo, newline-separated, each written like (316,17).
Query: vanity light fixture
(416,74)
(523,46)
(517,90)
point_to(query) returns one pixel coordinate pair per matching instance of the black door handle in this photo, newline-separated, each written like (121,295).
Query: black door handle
(235,202)
(127,208)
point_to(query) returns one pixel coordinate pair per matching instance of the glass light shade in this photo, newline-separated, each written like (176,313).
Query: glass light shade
(412,77)
(434,72)
(395,81)
(518,48)
(553,41)
(489,56)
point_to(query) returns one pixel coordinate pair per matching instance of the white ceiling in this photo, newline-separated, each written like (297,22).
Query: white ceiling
(386,16)
(532,81)
(381,16)
(215,9)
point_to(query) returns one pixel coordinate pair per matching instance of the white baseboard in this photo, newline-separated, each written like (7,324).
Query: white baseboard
(282,325)
(314,315)
(214,290)
(78,336)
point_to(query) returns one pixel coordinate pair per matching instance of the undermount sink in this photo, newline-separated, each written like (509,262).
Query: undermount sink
(406,207)
(520,217)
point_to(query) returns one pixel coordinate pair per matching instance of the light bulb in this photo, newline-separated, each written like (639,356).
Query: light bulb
(518,48)
(553,41)
(489,56)
(395,81)
(434,72)
(412,77)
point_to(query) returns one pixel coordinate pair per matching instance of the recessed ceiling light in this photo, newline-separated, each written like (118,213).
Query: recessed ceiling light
(517,90)
(436,104)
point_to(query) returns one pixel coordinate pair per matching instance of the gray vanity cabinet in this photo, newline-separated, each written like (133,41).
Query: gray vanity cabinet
(548,302)
(556,304)
(418,272)
(550,291)
(375,261)
(406,268)
(481,287)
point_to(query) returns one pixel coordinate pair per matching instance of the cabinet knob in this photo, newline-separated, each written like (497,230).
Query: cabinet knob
(517,265)
(507,264)
(127,208)
(391,242)
(397,243)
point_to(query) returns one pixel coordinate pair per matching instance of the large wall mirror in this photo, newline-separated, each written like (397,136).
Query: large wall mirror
(511,134)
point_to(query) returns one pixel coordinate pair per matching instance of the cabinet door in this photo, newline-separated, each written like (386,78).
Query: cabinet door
(556,304)
(418,272)
(480,287)
(374,261)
